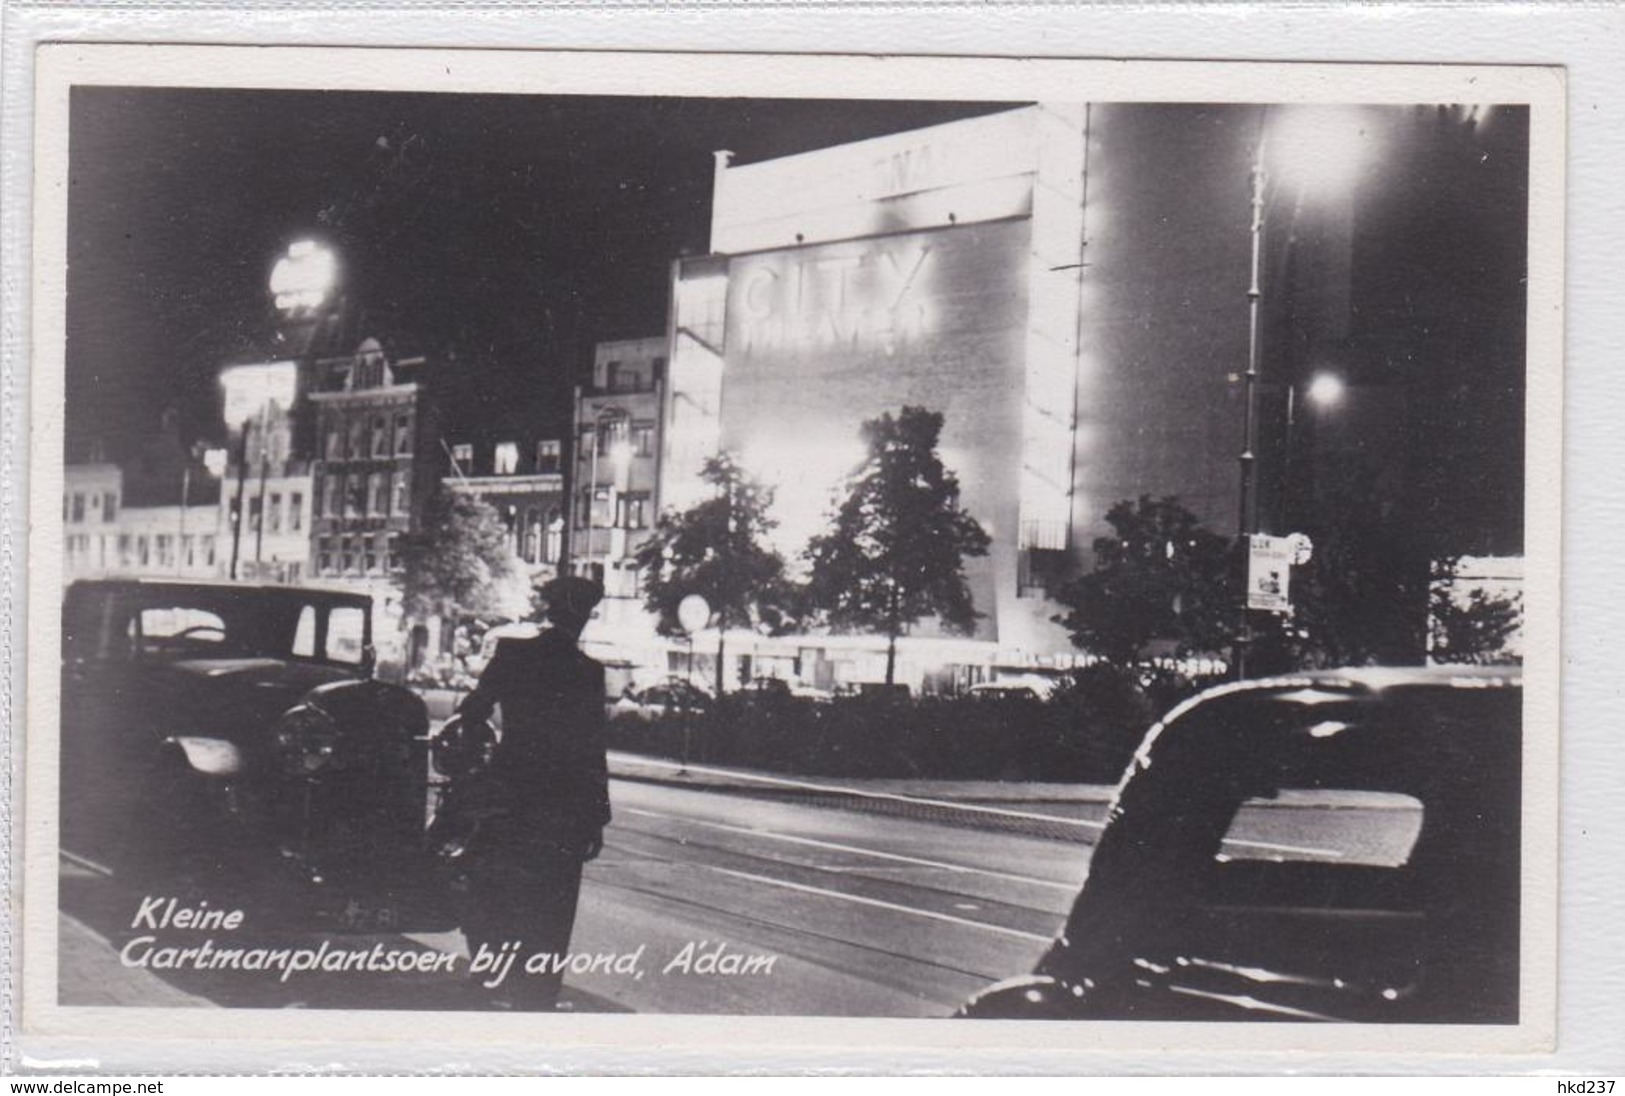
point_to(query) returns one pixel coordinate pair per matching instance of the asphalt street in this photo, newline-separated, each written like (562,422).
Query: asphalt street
(722,893)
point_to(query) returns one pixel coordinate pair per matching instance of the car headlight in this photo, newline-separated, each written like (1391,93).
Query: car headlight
(306,741)
(463,747)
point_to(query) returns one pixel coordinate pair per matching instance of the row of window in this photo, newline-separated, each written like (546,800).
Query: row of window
(378,435)
(365,494)
(532,538)
(161,551)
(76,504)
(369,554)
(281,513)
(635,439)
(505,458)
(631,377)
(603,508)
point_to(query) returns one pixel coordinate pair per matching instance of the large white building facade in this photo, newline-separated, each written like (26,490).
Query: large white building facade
(939,268)
(1068,285)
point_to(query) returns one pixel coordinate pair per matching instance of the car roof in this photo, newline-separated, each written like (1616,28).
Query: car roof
(1373,681)
(1363,684)
(222,588)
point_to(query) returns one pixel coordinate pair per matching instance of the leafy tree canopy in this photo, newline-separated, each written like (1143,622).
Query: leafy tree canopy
(895,554)
(459,563)
(718,549)
(1160,577)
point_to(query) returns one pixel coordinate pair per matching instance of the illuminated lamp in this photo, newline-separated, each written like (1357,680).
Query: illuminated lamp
(302,279)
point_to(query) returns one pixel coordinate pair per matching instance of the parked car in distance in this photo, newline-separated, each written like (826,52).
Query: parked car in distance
(1022,688)
(669,699)
(1341,845)
(232,740)
(770,688)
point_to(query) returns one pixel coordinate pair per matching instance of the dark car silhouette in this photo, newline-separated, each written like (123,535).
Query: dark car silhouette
(1200,904)
(230,740)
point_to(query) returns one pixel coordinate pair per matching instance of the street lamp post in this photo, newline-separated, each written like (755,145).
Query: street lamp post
(1247,511)
(1322,146)
(237,506)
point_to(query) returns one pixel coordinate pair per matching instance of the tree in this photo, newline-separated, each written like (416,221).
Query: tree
(718,549)
(459,563)
(1160,576)
(1472,625)
(897,549)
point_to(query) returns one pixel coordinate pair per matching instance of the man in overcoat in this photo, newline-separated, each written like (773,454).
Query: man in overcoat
(525,876)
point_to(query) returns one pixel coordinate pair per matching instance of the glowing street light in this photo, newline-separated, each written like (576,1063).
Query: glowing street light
(1320,150)
(1325,390)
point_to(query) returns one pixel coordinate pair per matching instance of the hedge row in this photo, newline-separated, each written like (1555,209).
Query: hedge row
(1086,733)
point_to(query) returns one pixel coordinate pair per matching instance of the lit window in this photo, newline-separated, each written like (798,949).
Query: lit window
(355,496)
(505,461)
(632,511)
(615,436)
(643,440)
(332,491)
(555,537)
(401,504)
(377,494)
(380,435)
(531,552)
(358,437)
(403,434)
(335,444)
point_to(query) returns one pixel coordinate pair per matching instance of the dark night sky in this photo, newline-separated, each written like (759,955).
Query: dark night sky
(514,230)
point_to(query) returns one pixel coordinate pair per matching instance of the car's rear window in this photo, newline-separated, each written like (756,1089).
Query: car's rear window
(1329,825)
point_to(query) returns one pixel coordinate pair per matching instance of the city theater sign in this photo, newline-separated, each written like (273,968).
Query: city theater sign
(836,297)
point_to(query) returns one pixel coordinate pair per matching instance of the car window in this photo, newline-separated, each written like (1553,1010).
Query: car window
(346,633)
(304,633)
(1325,825)
(176,628)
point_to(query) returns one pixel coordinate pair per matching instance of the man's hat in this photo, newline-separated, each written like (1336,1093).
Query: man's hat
(572,595)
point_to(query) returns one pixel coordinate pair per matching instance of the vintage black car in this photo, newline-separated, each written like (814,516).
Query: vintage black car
(231,740)
(1206,901)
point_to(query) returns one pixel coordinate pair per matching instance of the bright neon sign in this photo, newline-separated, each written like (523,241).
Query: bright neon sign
(837,299)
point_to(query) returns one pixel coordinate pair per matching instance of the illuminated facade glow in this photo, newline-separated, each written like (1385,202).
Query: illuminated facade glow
(1054,328)
(251,391)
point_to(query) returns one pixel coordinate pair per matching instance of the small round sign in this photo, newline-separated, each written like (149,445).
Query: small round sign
(693,613)
(1303,549)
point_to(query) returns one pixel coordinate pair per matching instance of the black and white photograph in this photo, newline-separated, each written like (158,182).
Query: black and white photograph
(1035,548)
